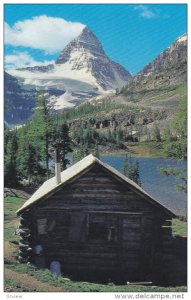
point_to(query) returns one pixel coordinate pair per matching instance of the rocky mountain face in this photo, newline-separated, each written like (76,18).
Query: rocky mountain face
(168,69)
(86,53)
(153,95)
(81,71)
(19,103)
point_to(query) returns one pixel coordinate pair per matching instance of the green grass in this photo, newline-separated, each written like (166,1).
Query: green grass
(78,286)
(182,90)
(11,222)
(179,228)
(145,149)
(163,98)
(137,149)
(11,204)
(12,285)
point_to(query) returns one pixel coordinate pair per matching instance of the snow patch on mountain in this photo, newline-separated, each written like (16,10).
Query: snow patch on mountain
(63,101)
(182,38)
(81,70)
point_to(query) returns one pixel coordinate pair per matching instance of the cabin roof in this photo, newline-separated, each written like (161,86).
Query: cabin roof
(50,186)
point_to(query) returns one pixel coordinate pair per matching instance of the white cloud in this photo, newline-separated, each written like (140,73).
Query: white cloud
(145,12)
(21,60)
(46,33)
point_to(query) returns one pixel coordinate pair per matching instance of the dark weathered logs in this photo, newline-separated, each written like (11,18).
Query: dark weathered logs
(22,259)
(100,223)
(25,238)
(23,221)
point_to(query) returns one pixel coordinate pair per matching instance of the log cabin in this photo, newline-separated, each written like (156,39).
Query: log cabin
(95,221)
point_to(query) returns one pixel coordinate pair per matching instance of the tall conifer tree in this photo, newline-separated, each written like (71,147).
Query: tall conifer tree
(10,159)
(40,130)
(62,142)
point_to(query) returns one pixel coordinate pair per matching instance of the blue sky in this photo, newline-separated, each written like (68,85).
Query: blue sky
(131,34)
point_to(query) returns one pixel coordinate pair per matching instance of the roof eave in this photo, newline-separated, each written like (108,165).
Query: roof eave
(55,189)
(112,171)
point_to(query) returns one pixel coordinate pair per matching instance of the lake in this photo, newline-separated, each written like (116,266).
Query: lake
(154,182)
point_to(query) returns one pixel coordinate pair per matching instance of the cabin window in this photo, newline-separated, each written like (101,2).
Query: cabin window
(42,226)
(78,228)
(92,227)
(102,228)
(45,226)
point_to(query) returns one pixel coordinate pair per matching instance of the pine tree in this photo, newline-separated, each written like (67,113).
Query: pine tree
(62,143)
(177,147)
(156,133)
(28,165)
(80,152)
(97,154)
(114,132)
(131,170)
(125,166)
(119,135)
(6,139)
(109,135)
(66,145)
(167,135)
(77,134)
(136,173)
(10,160)
(139,130)
(88,135)
(40,130)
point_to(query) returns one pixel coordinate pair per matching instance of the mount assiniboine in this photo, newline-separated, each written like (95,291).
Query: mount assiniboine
(81,71)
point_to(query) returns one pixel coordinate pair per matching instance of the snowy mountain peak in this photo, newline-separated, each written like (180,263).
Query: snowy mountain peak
(87,38)
(85,55)
(182,38)
(82,71)
(85,41)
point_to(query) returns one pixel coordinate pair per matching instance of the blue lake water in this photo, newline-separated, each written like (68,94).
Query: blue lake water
(154,182)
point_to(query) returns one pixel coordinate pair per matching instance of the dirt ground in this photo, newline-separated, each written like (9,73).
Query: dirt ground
(10,252)
(29,282)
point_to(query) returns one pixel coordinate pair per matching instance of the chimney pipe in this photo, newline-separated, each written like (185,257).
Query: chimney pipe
(57,167)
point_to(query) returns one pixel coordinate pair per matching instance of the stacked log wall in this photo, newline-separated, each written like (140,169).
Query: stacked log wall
(94,194)
(25,243)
